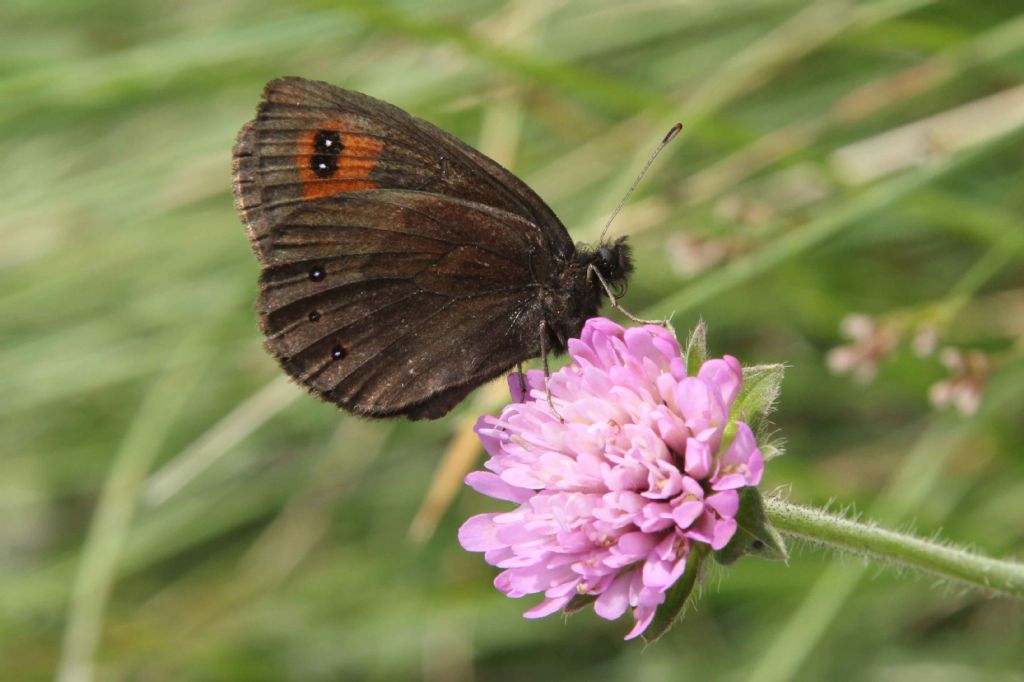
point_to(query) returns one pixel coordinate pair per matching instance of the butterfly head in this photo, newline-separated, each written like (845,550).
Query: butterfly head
(613,260)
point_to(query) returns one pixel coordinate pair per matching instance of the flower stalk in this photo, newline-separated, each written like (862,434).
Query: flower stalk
(961,567)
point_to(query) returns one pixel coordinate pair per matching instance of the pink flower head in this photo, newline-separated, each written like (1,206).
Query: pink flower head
(611,497)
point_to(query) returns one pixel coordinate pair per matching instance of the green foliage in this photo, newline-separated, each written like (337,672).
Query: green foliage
(251,533)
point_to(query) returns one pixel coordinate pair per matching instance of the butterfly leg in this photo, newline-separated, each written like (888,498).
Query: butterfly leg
(613,299)
(547,372)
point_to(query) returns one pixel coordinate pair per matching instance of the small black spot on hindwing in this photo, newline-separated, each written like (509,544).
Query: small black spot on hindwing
(338,352)
(314,315)
(316,274)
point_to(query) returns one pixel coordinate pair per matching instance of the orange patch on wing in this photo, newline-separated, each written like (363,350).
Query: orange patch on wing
(359,156)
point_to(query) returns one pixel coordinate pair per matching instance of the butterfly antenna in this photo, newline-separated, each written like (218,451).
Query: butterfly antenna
(650,161)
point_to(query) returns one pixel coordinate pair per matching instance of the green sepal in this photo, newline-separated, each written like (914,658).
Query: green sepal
(770,450)
(760,390)
(678,596)
(755,536)
(696,349)
(580,601)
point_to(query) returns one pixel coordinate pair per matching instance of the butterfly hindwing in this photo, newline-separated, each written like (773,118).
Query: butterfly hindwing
(400,302)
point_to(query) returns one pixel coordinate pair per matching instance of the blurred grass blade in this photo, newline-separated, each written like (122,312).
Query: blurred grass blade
(849,212)
(602,89)
(879,95)
(218,439)
(806,31)
(803,33)
(458,459)
(914,143)
(115,509)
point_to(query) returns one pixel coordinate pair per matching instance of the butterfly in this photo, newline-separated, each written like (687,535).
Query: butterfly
(400,267)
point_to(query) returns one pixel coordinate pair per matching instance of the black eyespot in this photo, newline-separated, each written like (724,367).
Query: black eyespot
(338,352)
(327,142)
(316,274)
(757,545)
(327,147)
(314,316)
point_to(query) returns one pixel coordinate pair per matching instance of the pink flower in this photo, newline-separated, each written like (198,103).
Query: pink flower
(610,501)
(871,342)
(970,371)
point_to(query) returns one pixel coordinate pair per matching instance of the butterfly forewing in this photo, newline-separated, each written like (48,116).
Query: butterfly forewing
(382,147)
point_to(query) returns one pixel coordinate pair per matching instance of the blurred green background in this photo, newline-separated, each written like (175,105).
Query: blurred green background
(172,509)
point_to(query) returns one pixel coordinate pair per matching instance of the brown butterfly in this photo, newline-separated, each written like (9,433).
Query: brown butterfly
(401,268)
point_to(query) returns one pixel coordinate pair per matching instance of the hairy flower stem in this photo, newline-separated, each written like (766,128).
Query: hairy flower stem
(992,576)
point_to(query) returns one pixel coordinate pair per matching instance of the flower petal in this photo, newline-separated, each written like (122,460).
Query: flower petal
(614,601)
(698,458)
(547,607)
(726,503)
(725,375)
(486,483)
(644,615)
(685,514)
(723,532)
(479,534)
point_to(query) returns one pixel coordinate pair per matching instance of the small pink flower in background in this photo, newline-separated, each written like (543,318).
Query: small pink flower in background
(871,342)
(926,339)
(611,501)
(970,370)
